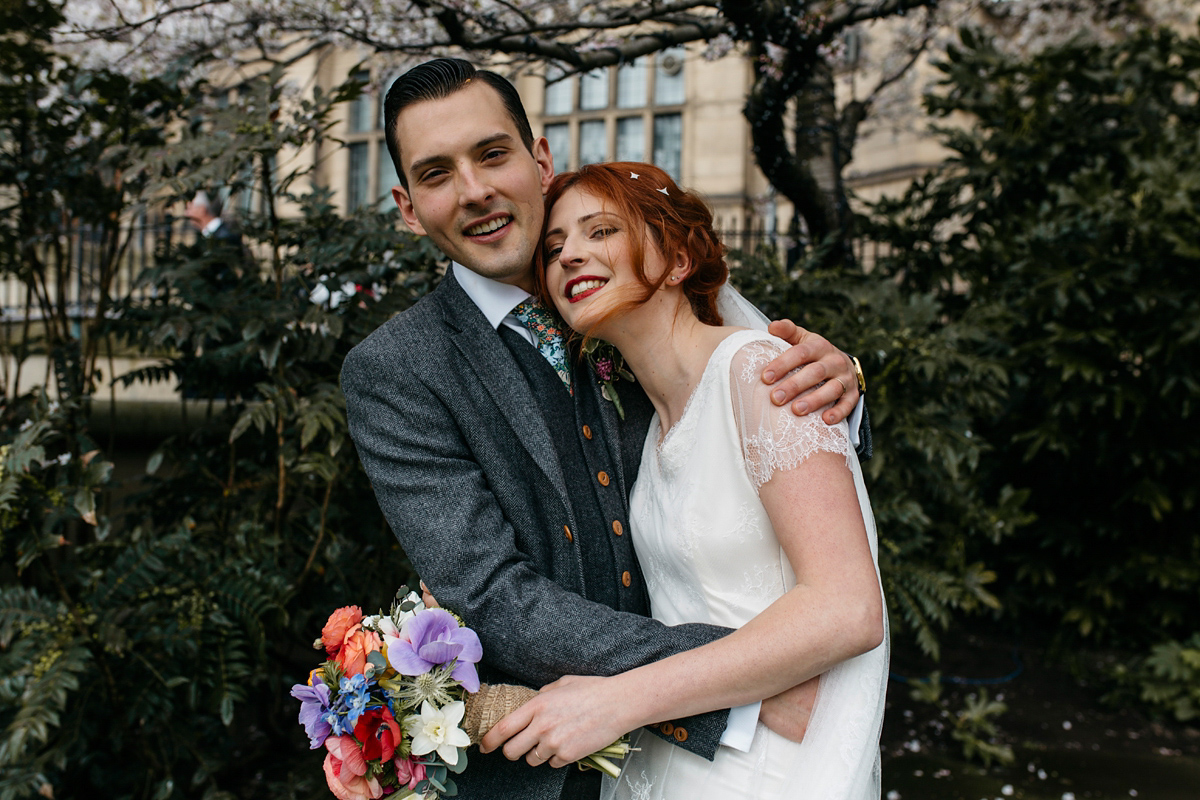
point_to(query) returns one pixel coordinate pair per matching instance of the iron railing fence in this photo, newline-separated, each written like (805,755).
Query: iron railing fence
(80,261)
(76,282)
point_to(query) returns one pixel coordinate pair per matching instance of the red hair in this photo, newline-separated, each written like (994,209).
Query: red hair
(678,221)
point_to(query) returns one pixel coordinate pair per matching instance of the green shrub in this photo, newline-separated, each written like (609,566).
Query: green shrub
(149,632)
(927,390)
(1068,218)
(1167,681)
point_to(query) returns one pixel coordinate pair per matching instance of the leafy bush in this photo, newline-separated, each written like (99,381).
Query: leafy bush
(1068,218)
(149,632)
(927,390)
(1167,681)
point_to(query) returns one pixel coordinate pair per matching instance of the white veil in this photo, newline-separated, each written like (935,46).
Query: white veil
(737,310)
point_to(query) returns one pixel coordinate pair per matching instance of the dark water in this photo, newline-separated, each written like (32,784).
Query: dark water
(1044,775)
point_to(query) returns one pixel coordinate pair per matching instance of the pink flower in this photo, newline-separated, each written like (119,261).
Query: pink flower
(409,772)
(356,646)
(340,623)
(346,771)
(604,369)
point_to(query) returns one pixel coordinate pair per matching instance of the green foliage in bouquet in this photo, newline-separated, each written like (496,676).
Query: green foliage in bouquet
(1068,218)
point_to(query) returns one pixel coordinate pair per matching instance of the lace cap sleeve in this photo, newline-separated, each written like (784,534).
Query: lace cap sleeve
(773,438)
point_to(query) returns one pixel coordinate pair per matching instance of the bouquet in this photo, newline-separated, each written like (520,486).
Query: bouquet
(399,700)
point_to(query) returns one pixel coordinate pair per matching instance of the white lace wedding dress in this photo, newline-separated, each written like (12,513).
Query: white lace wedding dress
(709,554)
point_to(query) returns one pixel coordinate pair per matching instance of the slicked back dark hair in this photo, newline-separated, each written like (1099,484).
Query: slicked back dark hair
(436,80)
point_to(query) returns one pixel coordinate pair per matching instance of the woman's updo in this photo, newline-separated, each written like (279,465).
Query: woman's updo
(678,222)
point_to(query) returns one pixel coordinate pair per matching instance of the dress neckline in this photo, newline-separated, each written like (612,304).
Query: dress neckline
(663,437)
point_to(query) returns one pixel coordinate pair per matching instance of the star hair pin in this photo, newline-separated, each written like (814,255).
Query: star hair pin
(635,176)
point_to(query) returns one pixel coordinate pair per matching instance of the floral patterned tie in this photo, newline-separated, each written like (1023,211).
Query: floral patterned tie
(547,330)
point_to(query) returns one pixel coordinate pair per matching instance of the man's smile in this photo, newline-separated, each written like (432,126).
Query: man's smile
(489,225)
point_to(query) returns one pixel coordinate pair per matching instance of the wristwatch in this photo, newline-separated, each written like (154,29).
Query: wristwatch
(858,376)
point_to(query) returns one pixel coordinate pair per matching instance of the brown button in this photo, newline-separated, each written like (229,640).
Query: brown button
(602,476)
(626,579)
(667,728)
(681,734)
(587,432)
(618,529)
(567,531)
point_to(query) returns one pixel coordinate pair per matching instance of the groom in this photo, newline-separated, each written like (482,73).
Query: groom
(506,480)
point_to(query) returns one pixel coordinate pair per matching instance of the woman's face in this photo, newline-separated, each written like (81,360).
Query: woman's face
(589,260)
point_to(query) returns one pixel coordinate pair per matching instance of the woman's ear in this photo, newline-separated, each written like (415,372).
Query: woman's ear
(682,268)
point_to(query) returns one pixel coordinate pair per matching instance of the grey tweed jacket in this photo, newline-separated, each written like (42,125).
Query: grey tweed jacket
(466,473)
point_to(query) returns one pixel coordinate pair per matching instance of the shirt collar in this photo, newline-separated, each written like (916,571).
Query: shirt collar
(495,299)
(212,226)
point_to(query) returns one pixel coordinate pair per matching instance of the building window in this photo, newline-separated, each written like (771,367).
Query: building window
(668,77)
(631,112)
(631,139)
(364,111)
(593,90)
(358,176)
(668,143)
(593,142)
(560,93)
(385,178)
(631,84)
(558,136)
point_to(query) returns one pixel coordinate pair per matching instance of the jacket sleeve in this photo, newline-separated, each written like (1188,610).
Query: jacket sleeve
(439,503)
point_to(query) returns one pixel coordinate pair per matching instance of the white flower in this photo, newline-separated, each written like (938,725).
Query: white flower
(400,617)
(386,627)
(437,729)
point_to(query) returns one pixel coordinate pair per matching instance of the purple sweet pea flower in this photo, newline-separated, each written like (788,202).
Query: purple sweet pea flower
(314,705)
(434,639)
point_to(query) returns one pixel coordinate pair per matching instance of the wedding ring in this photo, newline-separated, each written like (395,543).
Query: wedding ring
(539,755)
(839,380)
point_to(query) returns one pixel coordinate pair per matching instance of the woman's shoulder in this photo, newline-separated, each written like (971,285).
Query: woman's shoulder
(747,351)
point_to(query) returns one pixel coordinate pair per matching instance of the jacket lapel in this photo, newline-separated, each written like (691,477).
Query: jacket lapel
(493,365)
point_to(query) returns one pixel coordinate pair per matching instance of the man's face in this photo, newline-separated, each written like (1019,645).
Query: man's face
(197,213)
(472,186)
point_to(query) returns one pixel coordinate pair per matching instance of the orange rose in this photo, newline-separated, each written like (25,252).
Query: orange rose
(355,647)
(340,623)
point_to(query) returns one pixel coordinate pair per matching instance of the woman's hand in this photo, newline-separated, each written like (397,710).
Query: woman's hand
(815,360)
(788,712)
(568,720)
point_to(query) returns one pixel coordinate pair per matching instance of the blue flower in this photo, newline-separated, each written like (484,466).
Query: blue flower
(354,697)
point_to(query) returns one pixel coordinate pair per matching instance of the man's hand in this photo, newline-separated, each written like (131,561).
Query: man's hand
(427,598)
(787,713)
(815,360)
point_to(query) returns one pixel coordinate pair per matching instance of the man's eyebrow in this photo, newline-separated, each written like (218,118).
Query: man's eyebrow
(442,158)
(581,220)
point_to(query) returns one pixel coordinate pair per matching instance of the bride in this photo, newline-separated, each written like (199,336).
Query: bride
(743,515)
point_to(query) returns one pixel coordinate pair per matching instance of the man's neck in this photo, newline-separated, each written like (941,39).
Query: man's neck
(494,298)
